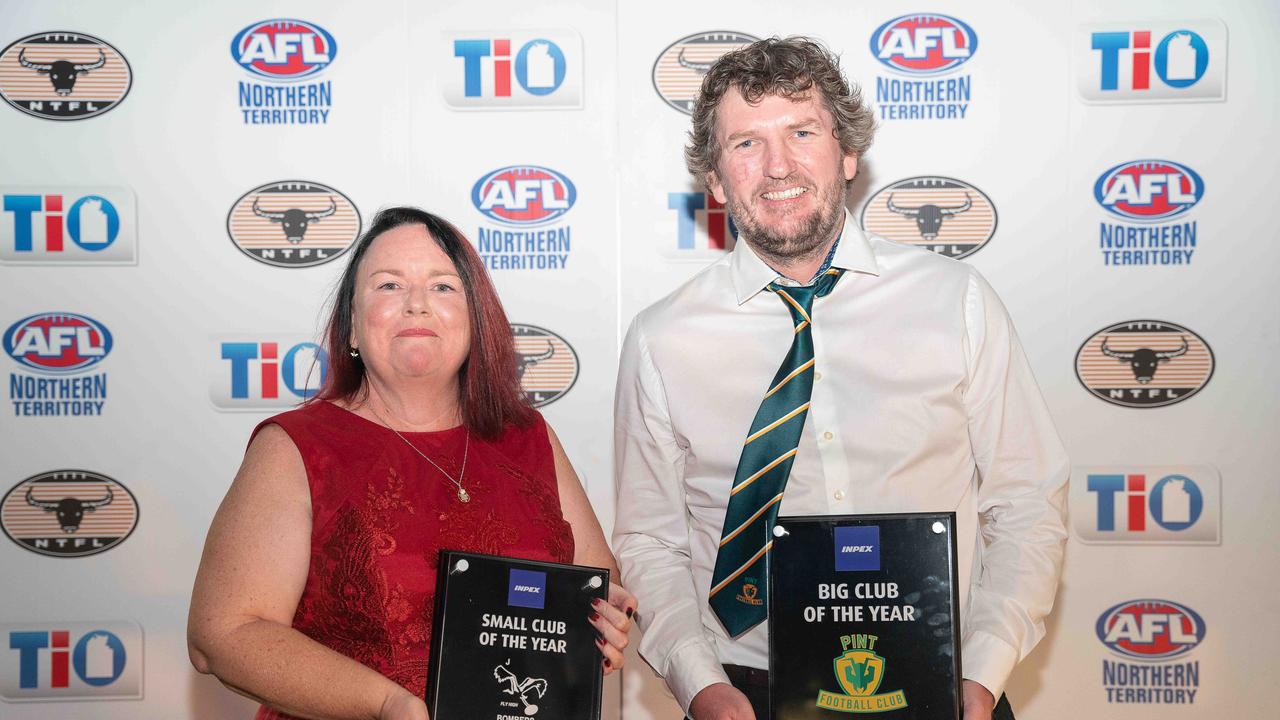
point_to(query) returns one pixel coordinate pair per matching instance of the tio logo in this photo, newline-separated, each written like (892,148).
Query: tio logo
(702,223)
(1146,504)
(59,225)
(539,66)
(514,70)
(1153,62)
(68,661)
(267,375)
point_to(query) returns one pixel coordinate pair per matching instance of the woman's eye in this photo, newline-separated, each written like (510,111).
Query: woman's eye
(443,287)
(388,286)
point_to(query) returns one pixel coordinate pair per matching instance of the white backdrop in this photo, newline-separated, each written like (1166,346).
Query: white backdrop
(175,154)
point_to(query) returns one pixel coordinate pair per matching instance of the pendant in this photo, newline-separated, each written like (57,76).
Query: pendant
(463,495)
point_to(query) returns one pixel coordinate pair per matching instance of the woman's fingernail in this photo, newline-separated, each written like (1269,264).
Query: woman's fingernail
(607,663)
(630,612)
(599,639)
(594,616)
(595,602)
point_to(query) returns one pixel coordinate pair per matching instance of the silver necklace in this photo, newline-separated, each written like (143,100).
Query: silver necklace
(463,495)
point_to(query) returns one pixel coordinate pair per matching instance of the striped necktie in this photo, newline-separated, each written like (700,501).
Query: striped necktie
(739,586)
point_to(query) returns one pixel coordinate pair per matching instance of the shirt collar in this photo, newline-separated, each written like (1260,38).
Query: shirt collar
(751,274)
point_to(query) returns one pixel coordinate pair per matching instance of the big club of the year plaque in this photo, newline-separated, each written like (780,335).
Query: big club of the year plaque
(863,617)
(511,641)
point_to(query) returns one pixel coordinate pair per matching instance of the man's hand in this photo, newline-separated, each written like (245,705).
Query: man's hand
(978,701)
(722,701)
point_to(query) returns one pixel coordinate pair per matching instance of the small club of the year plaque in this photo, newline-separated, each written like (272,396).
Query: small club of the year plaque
(511,640)
(864,617)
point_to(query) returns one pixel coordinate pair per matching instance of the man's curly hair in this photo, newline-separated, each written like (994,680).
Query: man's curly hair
(790,67)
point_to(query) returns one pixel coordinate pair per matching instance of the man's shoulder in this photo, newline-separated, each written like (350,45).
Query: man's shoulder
(916,262)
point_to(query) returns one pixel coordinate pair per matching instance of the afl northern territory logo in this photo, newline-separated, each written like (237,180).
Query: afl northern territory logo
(678,71)
(61,75)
(548,366)
(68,513)
(293,223)
(948,216)
(1144,363)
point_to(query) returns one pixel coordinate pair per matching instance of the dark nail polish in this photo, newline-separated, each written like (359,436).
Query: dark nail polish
(599,639)
(594,616)
(607,663)
(630,612)
(595,602)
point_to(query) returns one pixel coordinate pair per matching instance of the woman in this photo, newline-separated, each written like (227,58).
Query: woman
(315,591)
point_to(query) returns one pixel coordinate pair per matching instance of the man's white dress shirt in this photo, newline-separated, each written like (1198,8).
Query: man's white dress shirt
(922,401)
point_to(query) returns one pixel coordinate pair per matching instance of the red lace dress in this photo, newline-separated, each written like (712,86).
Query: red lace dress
(381,514)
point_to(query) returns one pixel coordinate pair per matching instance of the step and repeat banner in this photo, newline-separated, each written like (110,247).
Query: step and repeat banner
(180,184)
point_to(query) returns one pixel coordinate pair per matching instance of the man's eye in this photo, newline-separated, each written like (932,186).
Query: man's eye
(746,143)
(803,133)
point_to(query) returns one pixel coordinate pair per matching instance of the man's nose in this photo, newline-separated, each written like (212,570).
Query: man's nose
(779,161)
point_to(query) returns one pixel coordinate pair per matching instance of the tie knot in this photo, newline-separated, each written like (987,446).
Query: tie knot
(803,296)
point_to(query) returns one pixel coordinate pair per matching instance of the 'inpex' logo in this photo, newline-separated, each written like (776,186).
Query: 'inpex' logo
(1146,505)
(1150,629)
(258,375)
(526,70)
(524,195)
(857,547)
(70,661)
(61,75)
(527,589)
(923,44)
(283,50)
(57,343)
(1172,61)
(1148,190)
(68,226)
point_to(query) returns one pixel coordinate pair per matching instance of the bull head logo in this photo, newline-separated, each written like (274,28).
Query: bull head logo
(702,68)
(524,362)
(929,217)
(293,221)
(62,73)
(1144,361)
(70,511)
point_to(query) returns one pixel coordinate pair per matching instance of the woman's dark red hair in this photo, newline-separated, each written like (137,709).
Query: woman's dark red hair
(488,384)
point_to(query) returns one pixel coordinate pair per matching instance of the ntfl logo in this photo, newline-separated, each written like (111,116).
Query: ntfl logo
(546,363)
(71,661)
(61,75)
(1146,505)
(923,44)
(283,50)
(1173,61)
(1150,630)
(259,375)
(679,69)
(514,70)
(1144,363)
(293,223)
(68,513)
(68,226)
(1148,190)
(947,216)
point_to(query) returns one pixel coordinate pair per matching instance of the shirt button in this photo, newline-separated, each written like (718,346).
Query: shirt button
(817,375)
(839,495)
(828,435)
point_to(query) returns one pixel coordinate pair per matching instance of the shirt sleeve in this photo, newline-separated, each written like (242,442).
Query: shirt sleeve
(1023,471)
(651,533)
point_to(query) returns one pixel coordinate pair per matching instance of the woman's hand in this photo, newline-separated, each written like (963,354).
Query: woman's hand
(403,705)
(612,621)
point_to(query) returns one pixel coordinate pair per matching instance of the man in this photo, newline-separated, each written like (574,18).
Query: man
(914,395)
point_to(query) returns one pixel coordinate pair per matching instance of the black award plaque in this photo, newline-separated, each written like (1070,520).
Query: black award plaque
(864,617)
(511,641)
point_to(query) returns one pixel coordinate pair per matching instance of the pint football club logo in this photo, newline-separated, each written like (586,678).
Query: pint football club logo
(678,71)
(68,513)
(1144,363)
(63,75)
(750,592)
(293,223)
(859,670)
(547,365)
(947,216)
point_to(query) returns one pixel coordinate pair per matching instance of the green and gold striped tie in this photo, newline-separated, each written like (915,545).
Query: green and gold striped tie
(739,585)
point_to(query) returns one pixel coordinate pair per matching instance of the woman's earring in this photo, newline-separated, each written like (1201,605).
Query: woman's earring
(354,353)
